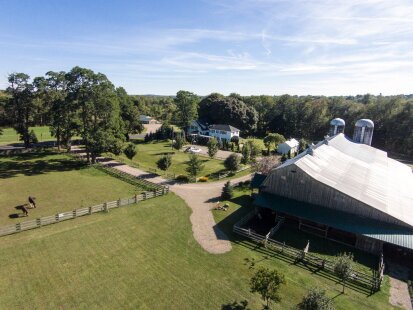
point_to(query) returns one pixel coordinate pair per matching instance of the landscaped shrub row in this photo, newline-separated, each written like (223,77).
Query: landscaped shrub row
(145,185)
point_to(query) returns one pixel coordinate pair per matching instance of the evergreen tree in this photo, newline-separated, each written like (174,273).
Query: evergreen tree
(195,165)
(227,191)
(130,151)
(212,147)
(164,162)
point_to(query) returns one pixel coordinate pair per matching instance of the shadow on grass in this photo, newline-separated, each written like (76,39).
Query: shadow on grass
(30,164)
(226,226)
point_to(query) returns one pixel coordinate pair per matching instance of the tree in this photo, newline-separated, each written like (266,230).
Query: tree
(246,153)
(266,164)
(227,191)
(316,299)
(187,108)
(232,162)
(212,147)
(33,137)
(242,305)
(343,267)
(195,165)
(267,283)
(255,149)
(164,162)
(130,151)
(272,140)
(101,126)
(129,113)
(179,142)
(20,108)
(302,145)
(218,109)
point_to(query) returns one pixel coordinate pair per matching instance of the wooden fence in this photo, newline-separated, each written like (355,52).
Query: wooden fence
(371,282)
(60,217)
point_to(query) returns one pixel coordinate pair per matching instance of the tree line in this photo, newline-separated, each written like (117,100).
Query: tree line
(81,101)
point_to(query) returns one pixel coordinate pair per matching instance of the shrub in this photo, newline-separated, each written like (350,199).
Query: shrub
(130,150)
(164,162)
(227,191)
(182,178)
(203,179)
(232,162)
(316,299)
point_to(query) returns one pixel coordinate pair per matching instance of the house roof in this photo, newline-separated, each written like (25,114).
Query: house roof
(361,172)
(224,127)
(291,143)
(145,117)
(201,124)
(386,232)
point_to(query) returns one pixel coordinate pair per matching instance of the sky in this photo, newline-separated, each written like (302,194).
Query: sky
(272,47)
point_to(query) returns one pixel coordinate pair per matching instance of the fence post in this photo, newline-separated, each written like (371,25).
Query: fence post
(90,210)
(136,198)
(119,202)
(39,221)
(105,207)
(144,195)
(18,227)
(57,217)
(74,213)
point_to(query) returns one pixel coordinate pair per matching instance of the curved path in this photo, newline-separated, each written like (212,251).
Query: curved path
(200,197)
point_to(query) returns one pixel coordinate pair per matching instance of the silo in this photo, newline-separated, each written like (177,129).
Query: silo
(337,126)
(363,133)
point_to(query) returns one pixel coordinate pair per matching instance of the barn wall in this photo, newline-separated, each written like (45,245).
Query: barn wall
(290,181)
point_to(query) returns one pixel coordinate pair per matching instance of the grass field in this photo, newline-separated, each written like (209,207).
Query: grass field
(144,256)
(10,135)
(59,183)
(149,153)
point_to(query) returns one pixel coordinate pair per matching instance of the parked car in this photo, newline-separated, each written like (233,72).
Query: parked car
(192,149)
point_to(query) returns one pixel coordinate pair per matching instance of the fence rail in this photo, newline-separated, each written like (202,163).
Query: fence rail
(371,282)
(68,215)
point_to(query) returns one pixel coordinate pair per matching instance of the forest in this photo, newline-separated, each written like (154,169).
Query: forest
(82,102)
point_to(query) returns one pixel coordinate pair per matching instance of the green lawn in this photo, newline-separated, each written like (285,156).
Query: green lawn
(144,256)
(149,153)
(59,183)
(10,135)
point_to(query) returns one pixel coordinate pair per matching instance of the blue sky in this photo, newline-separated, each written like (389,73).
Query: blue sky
(329,47)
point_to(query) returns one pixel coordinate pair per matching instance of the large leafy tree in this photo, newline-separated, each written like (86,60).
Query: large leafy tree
(64,121)
(21,108)
(316,299)
(98,107)
(186,107)
(272,140)
(194,165)
(129,113)
(217,109)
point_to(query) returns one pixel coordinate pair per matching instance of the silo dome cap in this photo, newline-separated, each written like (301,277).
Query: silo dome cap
(365,123)
(338,122)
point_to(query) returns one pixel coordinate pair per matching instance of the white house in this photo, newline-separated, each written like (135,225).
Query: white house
(223,132)
(289,145)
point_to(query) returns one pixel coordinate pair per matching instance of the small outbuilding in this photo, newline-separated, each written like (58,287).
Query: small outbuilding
(288,146)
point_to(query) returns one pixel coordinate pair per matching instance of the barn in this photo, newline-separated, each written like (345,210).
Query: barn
(345,191)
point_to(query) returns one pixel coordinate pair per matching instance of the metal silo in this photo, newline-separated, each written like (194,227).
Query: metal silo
(363,133)
(337,126)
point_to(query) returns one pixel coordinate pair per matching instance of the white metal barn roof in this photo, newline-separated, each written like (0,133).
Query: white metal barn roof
(362,172)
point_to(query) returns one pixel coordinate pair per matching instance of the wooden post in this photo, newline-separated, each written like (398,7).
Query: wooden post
(119,202)
(144,195)
(74,213)
(105,207)
(18,227)
(57,218)
(90,210)
(39,221)
(136,198)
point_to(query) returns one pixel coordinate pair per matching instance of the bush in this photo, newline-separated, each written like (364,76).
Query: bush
(227,191)
(182,178)
(232,162)
(130,151)
(203,179)
(316,299)
(164,162)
